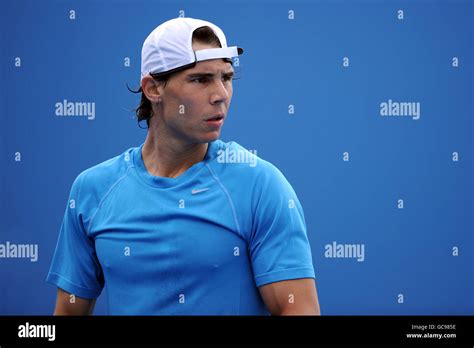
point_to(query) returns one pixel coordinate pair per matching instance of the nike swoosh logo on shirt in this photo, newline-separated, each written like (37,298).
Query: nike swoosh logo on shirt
(200,190)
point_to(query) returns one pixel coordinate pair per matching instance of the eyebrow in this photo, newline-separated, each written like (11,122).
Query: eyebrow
(208,74)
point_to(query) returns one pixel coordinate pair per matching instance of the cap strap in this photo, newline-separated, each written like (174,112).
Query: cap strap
(213,53)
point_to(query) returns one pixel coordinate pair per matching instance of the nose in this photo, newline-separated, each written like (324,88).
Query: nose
(220,93)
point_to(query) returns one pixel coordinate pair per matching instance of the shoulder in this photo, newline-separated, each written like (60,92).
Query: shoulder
(240,165)
(238,157)
(94,182)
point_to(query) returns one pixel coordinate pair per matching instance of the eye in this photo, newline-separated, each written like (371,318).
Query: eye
(227,77)
(200,80)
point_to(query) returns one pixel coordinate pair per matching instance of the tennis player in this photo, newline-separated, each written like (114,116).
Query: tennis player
(184,224)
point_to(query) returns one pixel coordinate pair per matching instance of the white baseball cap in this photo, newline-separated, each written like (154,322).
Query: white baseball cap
(169,47)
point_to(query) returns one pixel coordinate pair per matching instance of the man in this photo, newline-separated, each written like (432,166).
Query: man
(171,227)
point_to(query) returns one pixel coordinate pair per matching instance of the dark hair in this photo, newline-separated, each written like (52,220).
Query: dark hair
(144,110)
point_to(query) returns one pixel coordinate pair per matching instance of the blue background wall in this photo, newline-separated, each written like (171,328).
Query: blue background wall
(418,259)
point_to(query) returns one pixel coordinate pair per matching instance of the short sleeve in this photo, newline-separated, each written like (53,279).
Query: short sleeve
(75,267)
(279,247)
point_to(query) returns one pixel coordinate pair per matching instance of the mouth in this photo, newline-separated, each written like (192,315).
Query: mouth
(215,122)
(216,118)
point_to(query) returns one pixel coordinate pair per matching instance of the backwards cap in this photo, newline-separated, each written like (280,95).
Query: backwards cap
(169,47)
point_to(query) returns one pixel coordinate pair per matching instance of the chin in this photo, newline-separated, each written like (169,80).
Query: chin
(210,137)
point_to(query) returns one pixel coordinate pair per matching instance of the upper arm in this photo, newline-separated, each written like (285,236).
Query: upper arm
(278,245)
(291,297)
(69,304)
(75,266)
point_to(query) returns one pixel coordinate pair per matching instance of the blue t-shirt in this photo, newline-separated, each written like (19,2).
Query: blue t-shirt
(198,244)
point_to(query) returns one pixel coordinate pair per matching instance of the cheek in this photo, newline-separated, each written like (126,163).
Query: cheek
(193,107)
(230,91)
(190,107)
(178,107)
(184,113)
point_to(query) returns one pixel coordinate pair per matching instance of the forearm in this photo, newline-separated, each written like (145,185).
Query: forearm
(68,304)
(300,311)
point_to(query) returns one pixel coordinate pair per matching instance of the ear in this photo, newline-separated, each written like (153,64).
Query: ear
(152,89)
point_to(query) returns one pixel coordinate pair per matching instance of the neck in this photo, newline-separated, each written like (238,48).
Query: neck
(168,157)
